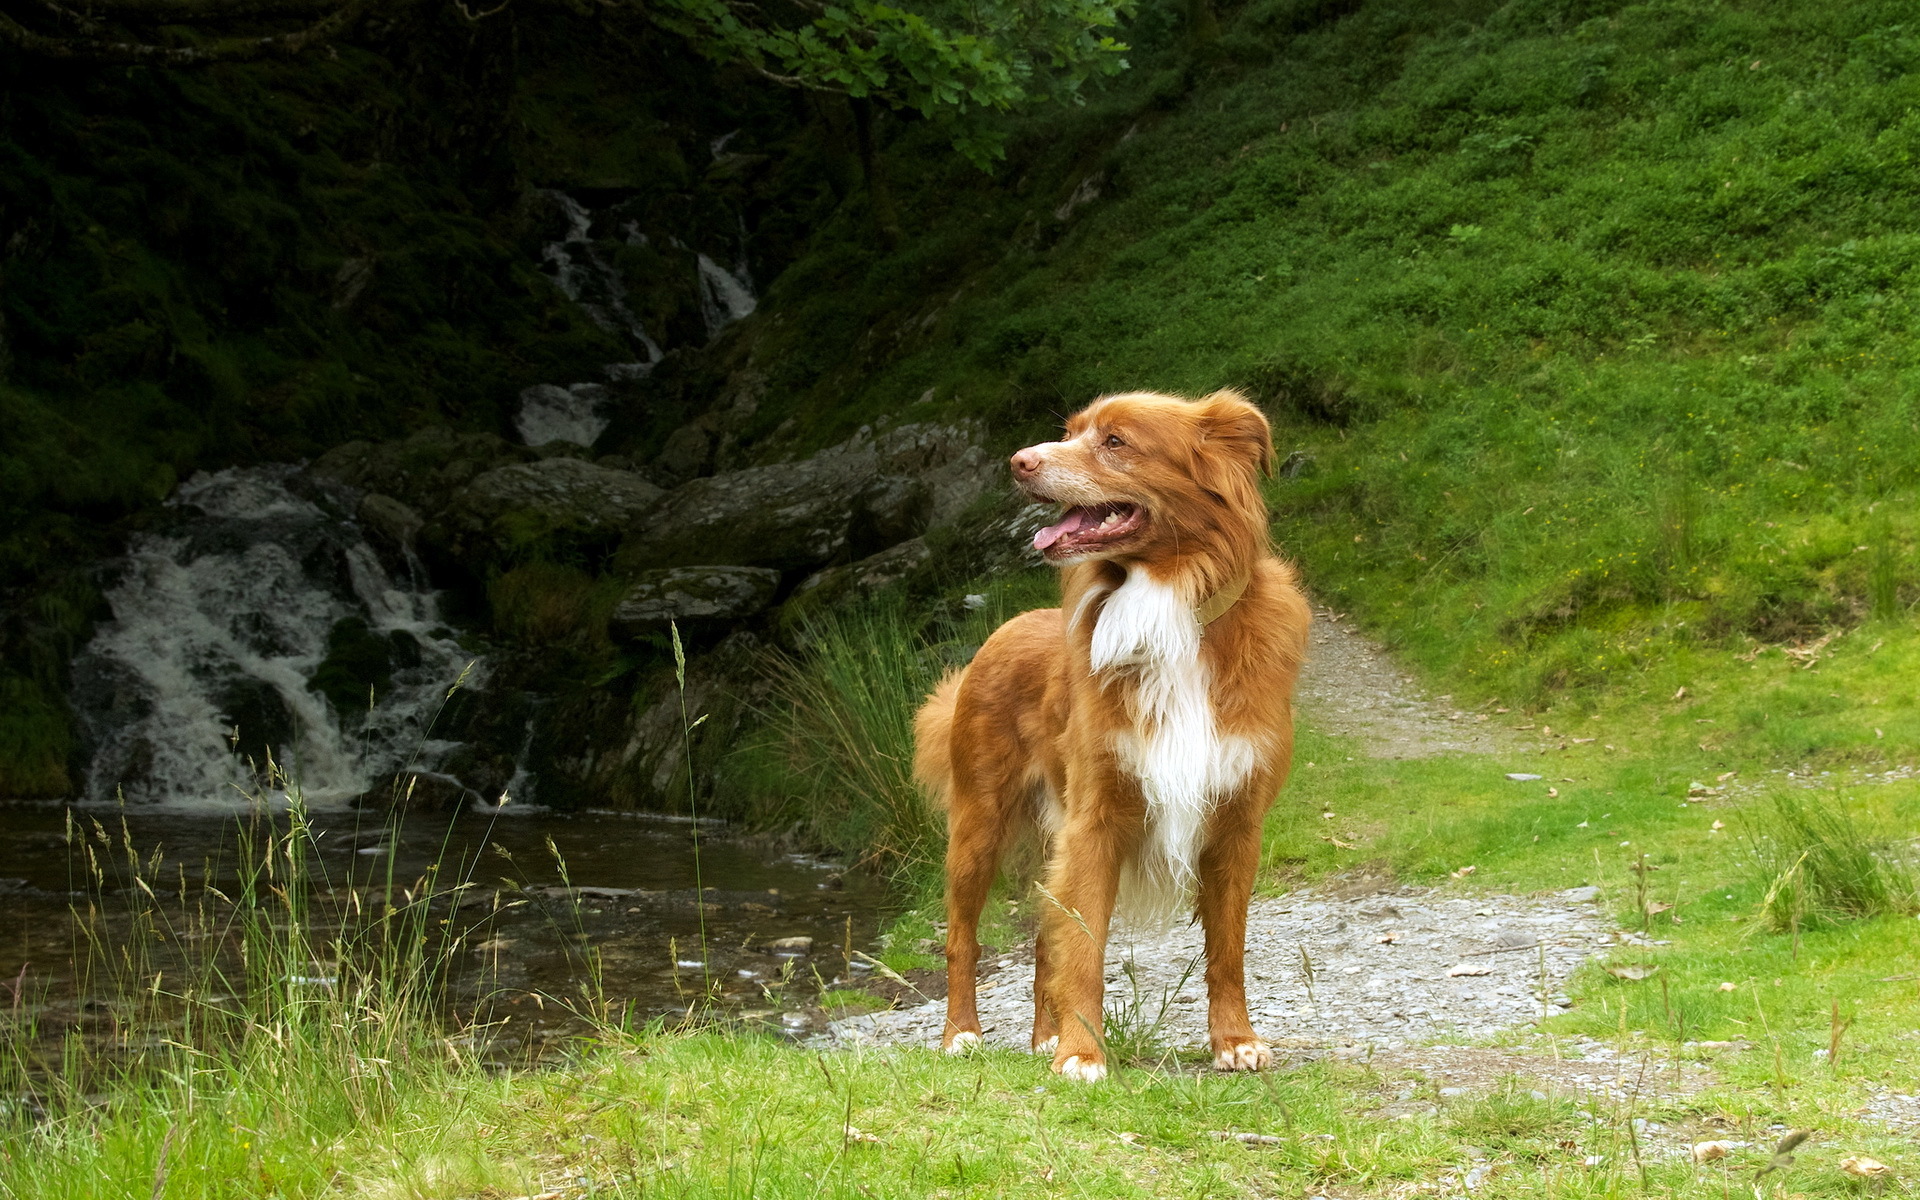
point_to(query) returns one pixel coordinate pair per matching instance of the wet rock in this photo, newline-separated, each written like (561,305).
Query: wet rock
(556,491)
(551,415)
(787,517)
(557,503)
(389,520)
(263,724)
(859,579)
(694,594)
(850,500)
(481,769)
(420,791)
(422,470)
(357,670)
(788,945)
(688,454)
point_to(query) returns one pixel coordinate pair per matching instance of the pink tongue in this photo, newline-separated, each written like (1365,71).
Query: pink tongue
(1071,523)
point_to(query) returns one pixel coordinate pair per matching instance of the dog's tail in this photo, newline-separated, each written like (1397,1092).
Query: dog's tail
(933,740)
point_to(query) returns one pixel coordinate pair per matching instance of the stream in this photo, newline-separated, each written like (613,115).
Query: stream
(208,703)
(631,900)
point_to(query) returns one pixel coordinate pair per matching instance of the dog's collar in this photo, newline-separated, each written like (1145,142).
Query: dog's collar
(1215,606)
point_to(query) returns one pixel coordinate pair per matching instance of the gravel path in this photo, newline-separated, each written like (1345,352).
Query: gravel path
(1349,686)
(1388,970)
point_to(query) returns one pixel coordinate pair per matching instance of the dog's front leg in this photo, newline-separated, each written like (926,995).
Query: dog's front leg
(1082,882)
(1227,867)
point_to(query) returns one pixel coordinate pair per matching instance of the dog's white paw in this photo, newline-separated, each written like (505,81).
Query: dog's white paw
(964,1042)
(1247,1056)
(1085,1072)
(1048,1046)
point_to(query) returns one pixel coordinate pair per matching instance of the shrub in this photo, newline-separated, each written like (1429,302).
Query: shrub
(1818,866)
(841,736)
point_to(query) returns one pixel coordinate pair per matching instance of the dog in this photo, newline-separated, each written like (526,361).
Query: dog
(1141,729)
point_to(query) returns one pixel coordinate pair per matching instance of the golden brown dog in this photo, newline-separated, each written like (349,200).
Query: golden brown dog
(1142,728)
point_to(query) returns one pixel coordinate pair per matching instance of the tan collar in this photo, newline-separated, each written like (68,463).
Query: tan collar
(1215,606)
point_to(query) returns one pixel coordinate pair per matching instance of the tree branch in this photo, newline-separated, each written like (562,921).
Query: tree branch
(85,24)
(477,17)
(180,12)
(228,49)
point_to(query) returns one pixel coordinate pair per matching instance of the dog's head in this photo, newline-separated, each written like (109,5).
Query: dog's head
(1143,475)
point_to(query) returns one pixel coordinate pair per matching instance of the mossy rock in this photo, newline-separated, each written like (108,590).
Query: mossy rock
(558,508)
(694,595)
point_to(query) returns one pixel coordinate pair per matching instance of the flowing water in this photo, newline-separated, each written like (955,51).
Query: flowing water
(214,682)
(222,618)
(580,267)
(725,296)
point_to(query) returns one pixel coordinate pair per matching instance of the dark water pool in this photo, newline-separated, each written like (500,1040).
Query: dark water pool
(621,886)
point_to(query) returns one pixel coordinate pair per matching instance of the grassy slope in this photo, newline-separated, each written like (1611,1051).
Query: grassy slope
(1592,323)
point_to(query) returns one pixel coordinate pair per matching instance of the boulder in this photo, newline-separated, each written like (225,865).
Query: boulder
(856,580)
(787,517)
(848,501)
(388,519)
(948,461)
(687,454)
(554,504)
(694,594)
(422,470)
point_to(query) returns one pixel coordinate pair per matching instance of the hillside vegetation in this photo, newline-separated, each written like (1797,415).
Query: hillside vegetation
(1588,327)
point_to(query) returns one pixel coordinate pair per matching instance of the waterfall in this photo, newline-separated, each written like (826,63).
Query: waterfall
(585,277)
(550,413)
(221,618)
(725,296)
(573,413)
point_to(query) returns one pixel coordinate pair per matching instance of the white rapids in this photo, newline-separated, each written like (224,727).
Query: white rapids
(220,619)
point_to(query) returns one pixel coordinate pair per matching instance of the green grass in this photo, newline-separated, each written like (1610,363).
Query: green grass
(835,756)
(721,1112)
(1819,866)
(1591,329)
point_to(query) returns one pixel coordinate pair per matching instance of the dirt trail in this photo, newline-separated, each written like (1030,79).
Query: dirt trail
(1350,686)
(1343,972)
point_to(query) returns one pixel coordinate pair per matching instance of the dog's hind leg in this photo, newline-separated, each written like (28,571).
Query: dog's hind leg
(975,833)
(1046,1028)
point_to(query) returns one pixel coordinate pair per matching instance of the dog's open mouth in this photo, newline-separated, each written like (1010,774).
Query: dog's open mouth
(1088,527)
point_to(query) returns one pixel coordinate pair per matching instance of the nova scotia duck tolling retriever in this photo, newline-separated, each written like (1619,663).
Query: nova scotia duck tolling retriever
(1141,729)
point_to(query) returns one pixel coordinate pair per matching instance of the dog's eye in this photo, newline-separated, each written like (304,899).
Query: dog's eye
(1114,442)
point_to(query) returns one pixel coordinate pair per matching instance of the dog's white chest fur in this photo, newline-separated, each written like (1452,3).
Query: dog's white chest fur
(1174,746)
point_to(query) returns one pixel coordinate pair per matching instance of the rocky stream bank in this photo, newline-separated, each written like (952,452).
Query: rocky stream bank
(319,615)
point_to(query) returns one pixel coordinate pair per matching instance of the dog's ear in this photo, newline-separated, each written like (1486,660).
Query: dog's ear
(1229,418)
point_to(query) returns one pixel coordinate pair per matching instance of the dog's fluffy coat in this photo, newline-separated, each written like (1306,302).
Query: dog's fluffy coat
(1142,744)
